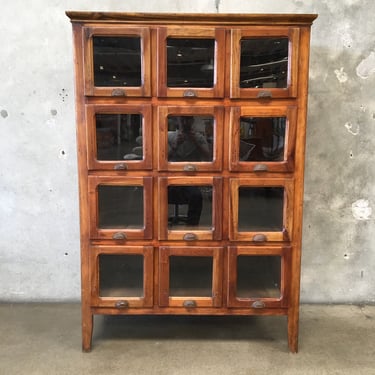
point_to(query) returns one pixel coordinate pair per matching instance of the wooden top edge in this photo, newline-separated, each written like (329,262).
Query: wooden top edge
(194,18)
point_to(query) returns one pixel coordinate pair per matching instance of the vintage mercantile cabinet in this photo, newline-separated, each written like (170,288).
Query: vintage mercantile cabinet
(191,137)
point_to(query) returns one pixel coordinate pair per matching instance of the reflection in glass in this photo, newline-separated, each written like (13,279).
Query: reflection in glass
(190,62)
(190,276)
(258,276)
(190,206)
(190,138)
(262,138)
(120,206)
(264,62)
(120,275)
(117,61)
(119,136)
(260,209)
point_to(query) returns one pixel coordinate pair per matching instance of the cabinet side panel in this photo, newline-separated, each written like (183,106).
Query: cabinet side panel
(87,318)
(293,313)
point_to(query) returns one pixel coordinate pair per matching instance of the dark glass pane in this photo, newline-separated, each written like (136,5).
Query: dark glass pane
(258,276)
(190,62)
(260,209)
(119,137)
(262,138)
(190,276)
(120,275)
(120,206)
(117,61)
(264,62)
(190,138)
(190,207)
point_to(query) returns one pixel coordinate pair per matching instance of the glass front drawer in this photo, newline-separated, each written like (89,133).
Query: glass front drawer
(264,62)
(122,276)
(191,62)
(257,276)
(190,208)
(119,137)
(262,139)
(190,277)
(261,210)
(121,208)
(190,138)
(117,61)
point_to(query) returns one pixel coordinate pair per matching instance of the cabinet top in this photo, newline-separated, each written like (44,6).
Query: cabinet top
(192,18)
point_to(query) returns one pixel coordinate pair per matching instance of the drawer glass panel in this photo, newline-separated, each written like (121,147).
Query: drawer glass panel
(120,206)
(190,138)
(119,136)
(264,62)
(120,275)
(190,62)
(117,61)
(190,206)
(258,276)
(190,276)
(260,209)
(262,138)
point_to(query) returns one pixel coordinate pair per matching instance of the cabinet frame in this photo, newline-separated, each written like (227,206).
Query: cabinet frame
(152,28)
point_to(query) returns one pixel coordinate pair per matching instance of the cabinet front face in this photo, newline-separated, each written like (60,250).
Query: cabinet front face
(122,277)
(258,276)
(119,137)
(190,277)
(190,208)
(262,140)
(264,62)
(117,61)
(261,209)
(191,62)
(190,138)
(120,208)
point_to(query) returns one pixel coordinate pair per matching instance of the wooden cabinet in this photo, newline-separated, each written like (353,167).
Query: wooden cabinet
(191,134)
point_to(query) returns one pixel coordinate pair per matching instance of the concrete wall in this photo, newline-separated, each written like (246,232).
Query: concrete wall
(39,238)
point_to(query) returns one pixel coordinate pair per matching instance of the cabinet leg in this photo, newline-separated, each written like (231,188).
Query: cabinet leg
(87,329)
(293,318)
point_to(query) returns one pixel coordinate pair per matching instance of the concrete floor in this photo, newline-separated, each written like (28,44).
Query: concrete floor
(45,339)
